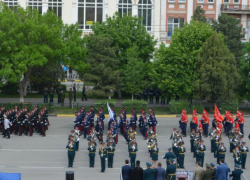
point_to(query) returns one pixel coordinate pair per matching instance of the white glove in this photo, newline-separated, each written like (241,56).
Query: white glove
(237,159)
(212,134)
(106,159)
(163,157)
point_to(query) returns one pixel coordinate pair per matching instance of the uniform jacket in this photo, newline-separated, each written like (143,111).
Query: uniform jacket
(137,174)
(149,174)
(198,171)
(208,174)
(236,174)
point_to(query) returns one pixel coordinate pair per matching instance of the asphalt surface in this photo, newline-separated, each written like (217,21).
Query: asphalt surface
(45,158)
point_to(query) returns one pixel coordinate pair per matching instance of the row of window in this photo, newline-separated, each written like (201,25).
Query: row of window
(90,11)
(202,1)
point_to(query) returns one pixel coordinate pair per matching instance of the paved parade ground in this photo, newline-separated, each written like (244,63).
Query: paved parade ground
(45,158)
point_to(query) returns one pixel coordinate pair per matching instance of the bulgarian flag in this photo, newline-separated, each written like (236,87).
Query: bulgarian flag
(217,115)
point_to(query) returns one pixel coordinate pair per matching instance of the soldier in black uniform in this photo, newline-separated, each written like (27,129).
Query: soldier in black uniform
(157,95)
(51,92)
(74,91)
(59,93)
(145,94)
(151,95)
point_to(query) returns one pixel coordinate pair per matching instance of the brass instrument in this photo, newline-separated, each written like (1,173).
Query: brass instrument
(154,136)
(151,146)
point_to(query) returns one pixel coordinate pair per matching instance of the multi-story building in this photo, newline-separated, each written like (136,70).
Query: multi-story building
(160,17)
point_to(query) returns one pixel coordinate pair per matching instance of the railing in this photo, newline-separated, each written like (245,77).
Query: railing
(234,7)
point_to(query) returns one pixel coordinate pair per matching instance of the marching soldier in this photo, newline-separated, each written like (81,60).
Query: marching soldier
(92,150)
(236,173)
(168,155)
(201,152)
(244,150)
(181,155)
(71,152)
(111,151)
(237,155)
(196,143)
(171,170)
(132,152)
(221,152)
(216,143)
(194,121)
(103,156)
(212,139)
(192,137)
(154,154)
(77,136)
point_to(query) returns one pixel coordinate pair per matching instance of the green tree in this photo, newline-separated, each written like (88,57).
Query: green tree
(29,39)
(134,72)
(199,15)
(219,78)
(126,32)
(232,30)
(103,71)
(175,67)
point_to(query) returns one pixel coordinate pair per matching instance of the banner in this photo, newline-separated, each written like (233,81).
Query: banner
(111,113)
(10,176)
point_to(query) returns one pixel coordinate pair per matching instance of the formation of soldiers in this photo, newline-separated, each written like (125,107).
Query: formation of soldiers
(233,130)
(25,121)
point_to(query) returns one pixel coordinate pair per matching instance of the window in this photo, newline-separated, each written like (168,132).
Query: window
(200,1)
(210,1)
(236,1)
(11,3)
(170,0)
(145,11)
(36,4)
(56,6)
(89,11)
(174,23)
(182,0)
(210,21)
(124,7)
(226,1)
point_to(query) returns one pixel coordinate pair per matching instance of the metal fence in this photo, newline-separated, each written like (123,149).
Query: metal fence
(234,7)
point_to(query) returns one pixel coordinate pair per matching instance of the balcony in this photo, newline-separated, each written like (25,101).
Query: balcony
(235,9)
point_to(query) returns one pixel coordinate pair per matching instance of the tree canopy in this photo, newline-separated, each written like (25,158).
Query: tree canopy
(199,15)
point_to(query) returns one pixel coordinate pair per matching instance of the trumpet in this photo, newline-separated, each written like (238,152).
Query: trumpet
(154,136)
(150,146)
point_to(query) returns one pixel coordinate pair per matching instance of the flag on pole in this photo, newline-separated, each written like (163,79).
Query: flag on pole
(217,114)
(111,113)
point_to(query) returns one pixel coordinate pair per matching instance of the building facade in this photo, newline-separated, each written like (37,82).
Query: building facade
(160,17)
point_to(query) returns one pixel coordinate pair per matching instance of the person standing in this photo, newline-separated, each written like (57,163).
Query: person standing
(160,172)
(74,91)
(208,173)
(92,150)
(154,152)
(201,152)
(171,170)
(7,124)
(221,171)
(145,94)
(59,93)
(132,154)
(168,156)
(236,173)
(84,94)
(71,152)
(70,97)
(45,94)
(62,98)
(137,172)
(126,171)
(157,96)
(51,93)
(244,150)
(103,156)
(111,151)
(151,95)
(149,173)
(198,171)
(181,152)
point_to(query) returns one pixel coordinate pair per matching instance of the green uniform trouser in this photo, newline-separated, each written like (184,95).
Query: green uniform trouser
(91,161)
(110,161)
(181,161)
(132,161)
(171,177)
(103,164)
(71,156)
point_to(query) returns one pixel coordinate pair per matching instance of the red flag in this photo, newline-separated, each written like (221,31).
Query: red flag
(217,114)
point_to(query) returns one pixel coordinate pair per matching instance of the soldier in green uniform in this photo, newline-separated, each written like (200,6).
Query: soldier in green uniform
(155,152)
(192,137)
(212,138)
(51,92)
(149,173)
(212,167)
(196,143)
(71,152)
(45,94)
(201,152)
(92,150)
(132,154)
(208,173)
(70,97)
(237,155)
(236,173)
(103,156)
(221,152)
(171,170)
(111,151)
(181,153)
(231,137)
(244,150)
(216,143)
(168,155)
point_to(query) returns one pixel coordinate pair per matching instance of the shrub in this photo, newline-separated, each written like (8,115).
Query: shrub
(19,105)
(136,104)
(232,107)
(103,103)
(177,106)
(198,107)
